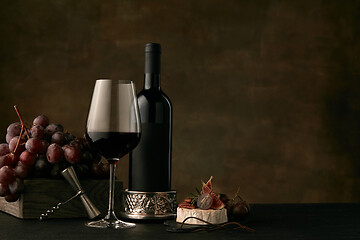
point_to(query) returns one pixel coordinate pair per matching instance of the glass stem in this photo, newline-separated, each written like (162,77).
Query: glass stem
(111,214)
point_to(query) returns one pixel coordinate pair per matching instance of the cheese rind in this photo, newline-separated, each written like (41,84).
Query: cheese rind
(210,215)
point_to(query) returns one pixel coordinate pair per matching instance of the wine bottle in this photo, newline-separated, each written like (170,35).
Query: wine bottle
(150,161)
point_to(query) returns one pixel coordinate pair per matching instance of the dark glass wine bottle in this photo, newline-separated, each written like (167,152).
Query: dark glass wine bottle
(150,161)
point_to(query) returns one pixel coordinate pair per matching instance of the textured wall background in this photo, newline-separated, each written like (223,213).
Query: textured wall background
(265,93)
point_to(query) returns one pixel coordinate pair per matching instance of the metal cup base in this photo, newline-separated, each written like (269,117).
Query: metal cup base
(148,205)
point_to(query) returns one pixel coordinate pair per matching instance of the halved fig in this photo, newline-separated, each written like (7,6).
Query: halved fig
(207,187)
(216,203)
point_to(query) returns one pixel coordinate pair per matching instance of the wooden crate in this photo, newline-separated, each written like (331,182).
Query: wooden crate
(42,194)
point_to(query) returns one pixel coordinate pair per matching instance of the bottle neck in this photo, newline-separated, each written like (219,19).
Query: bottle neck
(152,66)
(152,81)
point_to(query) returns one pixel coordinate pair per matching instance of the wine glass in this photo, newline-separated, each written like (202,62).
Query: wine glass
(113,129)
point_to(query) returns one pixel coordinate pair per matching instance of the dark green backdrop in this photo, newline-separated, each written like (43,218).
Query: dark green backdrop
(265,93)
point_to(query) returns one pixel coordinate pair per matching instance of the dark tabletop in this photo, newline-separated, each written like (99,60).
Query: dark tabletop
(271,221)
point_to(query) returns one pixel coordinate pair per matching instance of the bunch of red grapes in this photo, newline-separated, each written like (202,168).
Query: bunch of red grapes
(43,151)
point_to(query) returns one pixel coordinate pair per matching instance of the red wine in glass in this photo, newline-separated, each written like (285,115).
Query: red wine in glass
(113,145)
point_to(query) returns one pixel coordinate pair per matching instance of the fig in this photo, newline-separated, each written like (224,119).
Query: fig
(240,211)
(204,201)
(207,187)
(237,208)
(216,203)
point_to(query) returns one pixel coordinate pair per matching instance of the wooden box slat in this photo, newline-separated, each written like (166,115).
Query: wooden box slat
(42,194)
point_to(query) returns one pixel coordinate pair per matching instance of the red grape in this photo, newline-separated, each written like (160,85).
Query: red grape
(55,153)
(59,138)
(57,168)
(69,137)
(4,149)
(5,160)
(42,167)
(41,120)
(7,174)
(82,170)
(83,142)
(4,189)
(53,128)
(35,145)
(8,138)
(78,143)
(44,147)
(21,170)
(87,156)
(100,170)
(13,143)
(16,186)
(72,153)
(14,129)
(28,158)
(37,131)
(97,171)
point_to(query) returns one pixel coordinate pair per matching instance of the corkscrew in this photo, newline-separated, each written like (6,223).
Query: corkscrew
(70,175)
(57,207)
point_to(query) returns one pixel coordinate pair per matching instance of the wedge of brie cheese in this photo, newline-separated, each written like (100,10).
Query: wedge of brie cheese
(210,215)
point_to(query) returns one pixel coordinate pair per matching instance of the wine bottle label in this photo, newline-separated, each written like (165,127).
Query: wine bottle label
(150,160)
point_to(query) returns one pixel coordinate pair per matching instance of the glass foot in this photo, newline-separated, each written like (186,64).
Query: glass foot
(116,224)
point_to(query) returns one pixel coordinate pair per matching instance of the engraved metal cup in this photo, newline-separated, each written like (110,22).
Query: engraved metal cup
(148,205)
